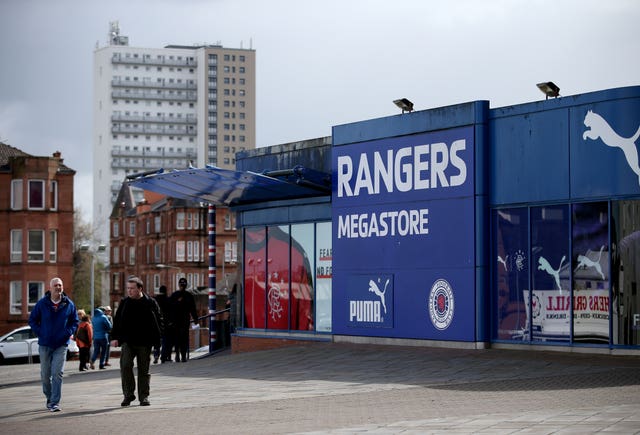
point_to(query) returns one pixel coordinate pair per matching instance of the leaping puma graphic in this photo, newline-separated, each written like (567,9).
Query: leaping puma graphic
(584,261)
(373,287)
(599,128)
(504,262)
(543,264)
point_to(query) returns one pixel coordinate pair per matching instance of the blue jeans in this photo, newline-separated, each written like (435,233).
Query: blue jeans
(100,348)
(51,371)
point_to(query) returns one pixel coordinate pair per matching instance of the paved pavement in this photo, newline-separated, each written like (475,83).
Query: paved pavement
(341,388)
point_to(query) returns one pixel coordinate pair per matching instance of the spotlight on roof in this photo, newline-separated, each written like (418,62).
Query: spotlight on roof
(404,104)
(549,89)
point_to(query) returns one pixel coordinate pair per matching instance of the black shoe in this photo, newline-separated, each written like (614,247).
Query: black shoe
(155,360)
(127,401)
(103,368)
(145,402)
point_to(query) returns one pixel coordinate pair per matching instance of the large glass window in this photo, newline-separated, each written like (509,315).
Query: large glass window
(625,271)
(512,274)
(282,266)
(302,248)
(551,298)
(278,243)
(584,268)
(323,275)
(254,277)
(590,265)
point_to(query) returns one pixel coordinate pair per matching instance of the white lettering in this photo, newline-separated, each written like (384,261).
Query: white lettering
(405,183)
(365,311)
(403,223)
(409,168)
(345,171)
(438,166)
(456,161)
(420,166)
(363,179)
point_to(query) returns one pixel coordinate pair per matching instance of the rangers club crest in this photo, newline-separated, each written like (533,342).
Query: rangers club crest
(441,304)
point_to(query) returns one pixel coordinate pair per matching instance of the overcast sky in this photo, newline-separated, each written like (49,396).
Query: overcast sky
(319,62)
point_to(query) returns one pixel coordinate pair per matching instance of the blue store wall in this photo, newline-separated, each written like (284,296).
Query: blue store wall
(427,284)
(539,152)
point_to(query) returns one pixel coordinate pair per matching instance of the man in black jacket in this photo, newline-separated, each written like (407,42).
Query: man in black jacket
(137,327)
(183,306)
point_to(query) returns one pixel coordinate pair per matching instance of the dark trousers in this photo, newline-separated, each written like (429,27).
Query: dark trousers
(167,346)
(143,356)
(84,356)
(182,343)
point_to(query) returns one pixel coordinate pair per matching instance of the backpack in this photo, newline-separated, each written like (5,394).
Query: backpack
(82,334)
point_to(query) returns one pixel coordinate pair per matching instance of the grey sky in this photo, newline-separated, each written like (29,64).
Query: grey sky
(319,62)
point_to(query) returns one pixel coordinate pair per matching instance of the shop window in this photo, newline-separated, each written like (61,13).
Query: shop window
(278,284)
(302,285)
(282,266)
(323,276)
(590,263)
(625,272)
(254,278)
(549,305)
(511,274)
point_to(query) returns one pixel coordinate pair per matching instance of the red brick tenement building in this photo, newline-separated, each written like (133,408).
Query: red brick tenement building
(36,223)
(161,239)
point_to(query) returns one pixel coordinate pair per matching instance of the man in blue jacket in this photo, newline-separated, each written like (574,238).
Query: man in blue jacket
(101,329)
(54,320)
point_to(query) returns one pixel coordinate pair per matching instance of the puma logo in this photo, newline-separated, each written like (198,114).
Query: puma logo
(504,262)
(543,264)
(584,261)
(599,128)
(373,287)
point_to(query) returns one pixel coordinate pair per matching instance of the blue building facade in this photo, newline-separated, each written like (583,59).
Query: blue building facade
(460,226)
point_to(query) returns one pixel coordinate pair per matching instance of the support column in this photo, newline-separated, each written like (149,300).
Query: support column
(212,276)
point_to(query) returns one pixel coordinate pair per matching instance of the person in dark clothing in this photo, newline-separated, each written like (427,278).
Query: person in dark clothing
(137,327)
(182,305)
(165,349)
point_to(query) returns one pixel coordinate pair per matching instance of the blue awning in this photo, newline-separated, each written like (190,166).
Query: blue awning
(227,187)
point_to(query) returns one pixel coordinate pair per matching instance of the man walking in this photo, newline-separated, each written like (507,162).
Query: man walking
(137,327)
(182,306)
(54,321)
(101,329)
